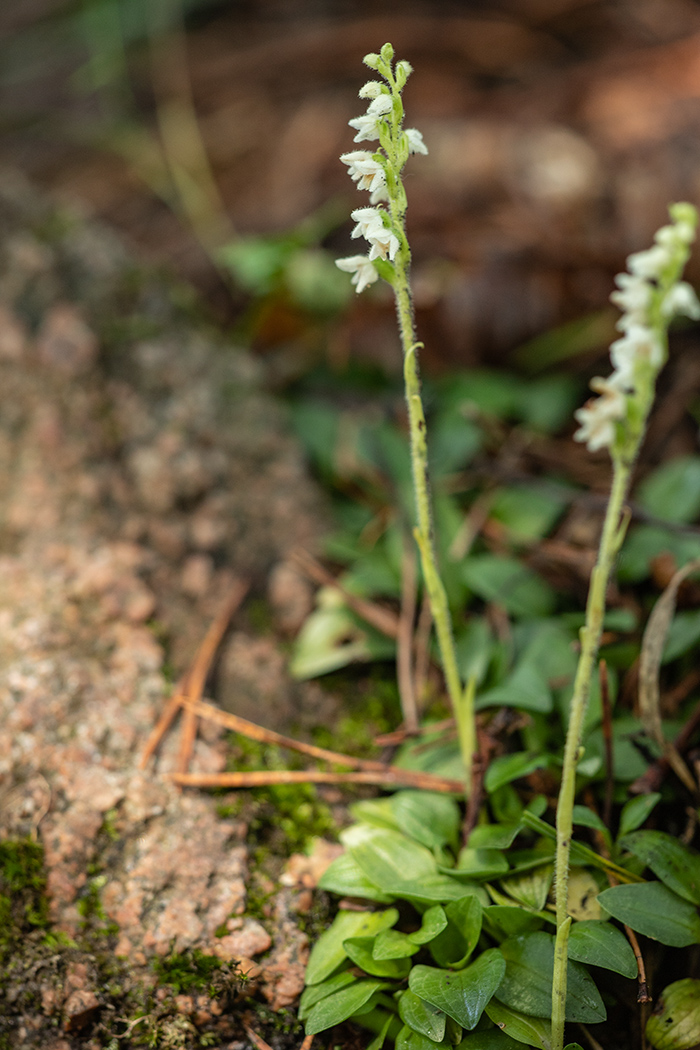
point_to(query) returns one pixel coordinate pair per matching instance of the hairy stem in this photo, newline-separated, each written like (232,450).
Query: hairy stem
(610,542)
(424,531)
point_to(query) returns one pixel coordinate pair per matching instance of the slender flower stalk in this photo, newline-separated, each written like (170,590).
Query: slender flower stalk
(650,295)
(390,257)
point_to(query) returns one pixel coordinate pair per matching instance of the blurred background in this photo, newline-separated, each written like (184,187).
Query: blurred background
(209,132)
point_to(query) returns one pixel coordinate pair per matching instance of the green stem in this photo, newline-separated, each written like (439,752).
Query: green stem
(610,542)
(421,485)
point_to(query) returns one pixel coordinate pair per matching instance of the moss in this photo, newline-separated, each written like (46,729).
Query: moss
(188,971)
(281,818)
(23,903)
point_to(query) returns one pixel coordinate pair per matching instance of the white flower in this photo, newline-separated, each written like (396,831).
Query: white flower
(384,243)
(600,414)
(380,105)
(380,195)
(680,233)
(361,268)
(415,141)
(633,296)
(367,128)
(367,219)
(639,343)
(372,89)
(681,300)
(651,262)
(370,224)
(364,170)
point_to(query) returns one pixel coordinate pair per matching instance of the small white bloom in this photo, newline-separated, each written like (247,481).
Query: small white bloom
(415,141)
(681,300)
(633,296)
(368,221)
(361,268)
(367,128)
(380,105)
(380,195)
(600,414)
(384,243)
(651,262)
(639,343)
(364,170)
(372,89)
(680,233)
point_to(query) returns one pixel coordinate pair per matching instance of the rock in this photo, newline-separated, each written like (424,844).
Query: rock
(143,468)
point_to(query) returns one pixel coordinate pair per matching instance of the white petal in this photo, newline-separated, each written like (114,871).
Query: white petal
(415,141)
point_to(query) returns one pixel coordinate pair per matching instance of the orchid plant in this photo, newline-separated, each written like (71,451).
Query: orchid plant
(501,979)
(383,225)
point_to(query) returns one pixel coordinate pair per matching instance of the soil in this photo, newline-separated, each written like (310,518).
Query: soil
(143,470)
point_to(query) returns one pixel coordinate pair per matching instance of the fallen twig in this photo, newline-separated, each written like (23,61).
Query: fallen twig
(192,684)
(268,736)
(391,776)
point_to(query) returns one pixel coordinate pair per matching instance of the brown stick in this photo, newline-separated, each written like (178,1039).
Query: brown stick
(269,736)
(192,684)
(382,619)
(257,1040)
(391,776)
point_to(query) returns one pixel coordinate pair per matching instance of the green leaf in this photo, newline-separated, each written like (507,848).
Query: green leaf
(344,877)
(509,583)
(422,1017)
(360,951)
(683,634)
(328,952)
(474,646)
(506,768)
(510,921)
(529,511)
(531,887)
(408,1039)
(340,1005)
(672,491)
(462,994)
(380,1038)
(455,944)
(646,542)
(313,993)
(428,817)
(489,1039)
(530,1030)
(333,637)
(434,922)
(587,818)
(677,865)
(675,1023)
(525,688)
(387,857)
(390,944)
(636,811)
(494,836)
(481,864)
(598,943)
(654,910)
(527,984)
(432,889)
